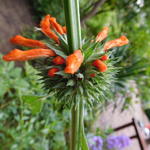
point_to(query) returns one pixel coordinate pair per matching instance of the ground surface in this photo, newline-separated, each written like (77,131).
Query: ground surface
(15,15)
(114,118)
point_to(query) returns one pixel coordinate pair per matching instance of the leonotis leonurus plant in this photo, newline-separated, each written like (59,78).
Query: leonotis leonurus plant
(87,73)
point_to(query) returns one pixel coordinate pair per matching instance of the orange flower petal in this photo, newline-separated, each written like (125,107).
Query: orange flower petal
(45,26)
(104,58)
(58,60)
(102,67)
(19,55)
(73,62)
(102,34)
(52,72)
(116,43)
(20,40)
(92,75)
(64,29)
(56,25)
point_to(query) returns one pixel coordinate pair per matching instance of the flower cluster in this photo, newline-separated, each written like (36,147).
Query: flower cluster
(73,62)
(111,143)
(62,71)
(118,142)
(96,143)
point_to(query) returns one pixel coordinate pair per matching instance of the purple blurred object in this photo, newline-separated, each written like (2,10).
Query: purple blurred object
(118,142)
(95,143)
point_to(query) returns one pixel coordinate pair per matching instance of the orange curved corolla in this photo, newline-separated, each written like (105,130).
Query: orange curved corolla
(116,43)
(58,60)
(20,40)
(73,62)
(102,34)
(52,72)
(102,67)
(92,75)
(104,58)
(56,25)
(45,26)
(64,29)
(19,55)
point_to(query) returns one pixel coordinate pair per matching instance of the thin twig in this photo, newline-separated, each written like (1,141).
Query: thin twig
(94,10)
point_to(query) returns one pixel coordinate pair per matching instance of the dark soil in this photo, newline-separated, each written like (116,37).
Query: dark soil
(15,16)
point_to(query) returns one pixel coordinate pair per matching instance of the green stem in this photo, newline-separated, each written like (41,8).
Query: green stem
(72,17)
(74,141)
(81,121)
(83,142)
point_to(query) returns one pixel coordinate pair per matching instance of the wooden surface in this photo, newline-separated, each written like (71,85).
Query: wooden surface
(15,15)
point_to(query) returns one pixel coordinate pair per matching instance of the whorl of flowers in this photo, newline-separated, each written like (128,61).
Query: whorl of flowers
(118,142)
(111,143)
(87,72)
(95,143)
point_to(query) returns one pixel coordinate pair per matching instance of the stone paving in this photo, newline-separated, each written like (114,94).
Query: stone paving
(114,118)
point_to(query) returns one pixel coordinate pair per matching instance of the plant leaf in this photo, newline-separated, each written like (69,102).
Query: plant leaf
(84,144)
(33,102)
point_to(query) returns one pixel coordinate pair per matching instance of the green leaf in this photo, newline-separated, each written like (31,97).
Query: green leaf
(70,83)
(57,51)
(80,75)
(33,102)
(84,143)
(63,74)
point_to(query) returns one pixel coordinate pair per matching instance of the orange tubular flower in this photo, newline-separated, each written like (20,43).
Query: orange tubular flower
(64,29)
(20,40)
(52,72)
(58,60)
(102,67)
(92,75)
(104,58)
(19,55)
(116,43)
(102,34)
(73,62)
(45,26)
(56,26)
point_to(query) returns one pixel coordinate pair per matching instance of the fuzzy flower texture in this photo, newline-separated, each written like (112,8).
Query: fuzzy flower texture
(72,62)
(111,143)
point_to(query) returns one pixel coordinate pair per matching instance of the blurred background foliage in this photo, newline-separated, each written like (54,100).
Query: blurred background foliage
(23,126)
(28,118)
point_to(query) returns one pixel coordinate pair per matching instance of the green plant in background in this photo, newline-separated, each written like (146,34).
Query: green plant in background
(43,7)
(131,68)
(21,125)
